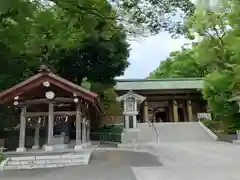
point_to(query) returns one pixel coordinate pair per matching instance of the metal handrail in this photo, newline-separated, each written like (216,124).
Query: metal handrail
(155,130)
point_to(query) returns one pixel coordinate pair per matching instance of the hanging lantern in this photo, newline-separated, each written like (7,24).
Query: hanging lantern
(15,103)
(76,100)
(66,119)
(39,120)
(50,95)
(46,84)
(16,98)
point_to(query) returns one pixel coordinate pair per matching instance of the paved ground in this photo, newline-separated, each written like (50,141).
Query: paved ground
(194,161)
(181,161)
(105,165)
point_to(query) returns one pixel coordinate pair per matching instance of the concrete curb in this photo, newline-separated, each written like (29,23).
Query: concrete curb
(122,149)
(3,163)
(214,136)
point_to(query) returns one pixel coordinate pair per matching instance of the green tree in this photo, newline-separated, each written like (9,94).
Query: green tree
(137,16)
(179,64)
(62,39)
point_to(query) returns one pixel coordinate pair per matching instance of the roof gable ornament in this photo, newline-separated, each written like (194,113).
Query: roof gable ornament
(131,94)
(44,68)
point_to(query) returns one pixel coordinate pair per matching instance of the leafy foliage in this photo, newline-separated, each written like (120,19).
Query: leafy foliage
(179,64)
(154,15)
(1,157)
(215,57)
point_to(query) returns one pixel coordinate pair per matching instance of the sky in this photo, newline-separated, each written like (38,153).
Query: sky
(147,53)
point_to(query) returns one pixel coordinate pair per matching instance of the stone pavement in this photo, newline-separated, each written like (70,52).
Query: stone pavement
(180,161)
(193,161)
(105,165)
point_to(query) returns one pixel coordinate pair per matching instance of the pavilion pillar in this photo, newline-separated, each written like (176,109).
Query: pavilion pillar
(36,136)
(175,111)
(84,130)
(87,133)
(189,110)
(49,146)
(21,147)
(78,145)
(146,117)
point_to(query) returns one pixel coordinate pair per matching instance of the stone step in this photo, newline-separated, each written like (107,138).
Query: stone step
(174,132)
(41,166)
(46,161)
(49,161)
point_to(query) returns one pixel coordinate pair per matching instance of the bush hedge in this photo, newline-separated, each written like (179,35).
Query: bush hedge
(1,157)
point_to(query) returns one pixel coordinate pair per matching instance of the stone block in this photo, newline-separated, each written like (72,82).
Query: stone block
(38,166)
(11,167)
(48,157)
(43,161)
(51,165)
(35,147)
(48,148)
(77,160)
(21,149)
(78,147)
(13,163)
(23,158)
(72,156)
(25,167)
(236,142)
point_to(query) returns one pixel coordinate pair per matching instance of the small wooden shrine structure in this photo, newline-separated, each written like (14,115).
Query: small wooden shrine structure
(48,95)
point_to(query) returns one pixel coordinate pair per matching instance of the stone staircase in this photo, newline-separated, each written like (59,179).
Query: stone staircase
(46,161)
(174,132)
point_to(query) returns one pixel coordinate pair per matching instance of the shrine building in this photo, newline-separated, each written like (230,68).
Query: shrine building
(63,109)
(166,100)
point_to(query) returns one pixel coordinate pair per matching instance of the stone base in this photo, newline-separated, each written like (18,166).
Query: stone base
(130,136)
(236,141)
(60,146)
(21,149)
(35,147)
(48,148)
(78,147)
(131,130)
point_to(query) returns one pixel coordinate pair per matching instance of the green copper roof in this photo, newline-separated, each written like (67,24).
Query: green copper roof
(148,84)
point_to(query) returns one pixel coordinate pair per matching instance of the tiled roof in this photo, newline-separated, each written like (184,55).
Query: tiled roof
(170,83)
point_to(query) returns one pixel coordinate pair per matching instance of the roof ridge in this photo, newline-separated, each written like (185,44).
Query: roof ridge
(159,79)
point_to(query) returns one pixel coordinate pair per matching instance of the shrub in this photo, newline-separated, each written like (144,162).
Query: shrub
(1,157)
(213,125)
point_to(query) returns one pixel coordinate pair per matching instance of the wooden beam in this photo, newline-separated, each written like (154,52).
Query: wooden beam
(45,101)
(34,114)
(162,98)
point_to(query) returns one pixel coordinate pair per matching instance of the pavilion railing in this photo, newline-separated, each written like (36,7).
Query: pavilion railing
(106,137)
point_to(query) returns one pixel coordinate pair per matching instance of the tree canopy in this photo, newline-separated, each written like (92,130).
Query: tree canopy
(34,33)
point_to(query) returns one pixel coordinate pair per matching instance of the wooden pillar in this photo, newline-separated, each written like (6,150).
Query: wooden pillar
(146,117)
(21,147)
(36,136)
(170,109)
(175,111)
(78,128)
(88,131)
(49,146)
(84,130)
(189,109)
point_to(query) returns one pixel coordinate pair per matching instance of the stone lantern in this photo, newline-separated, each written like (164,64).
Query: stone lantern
(130,112)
